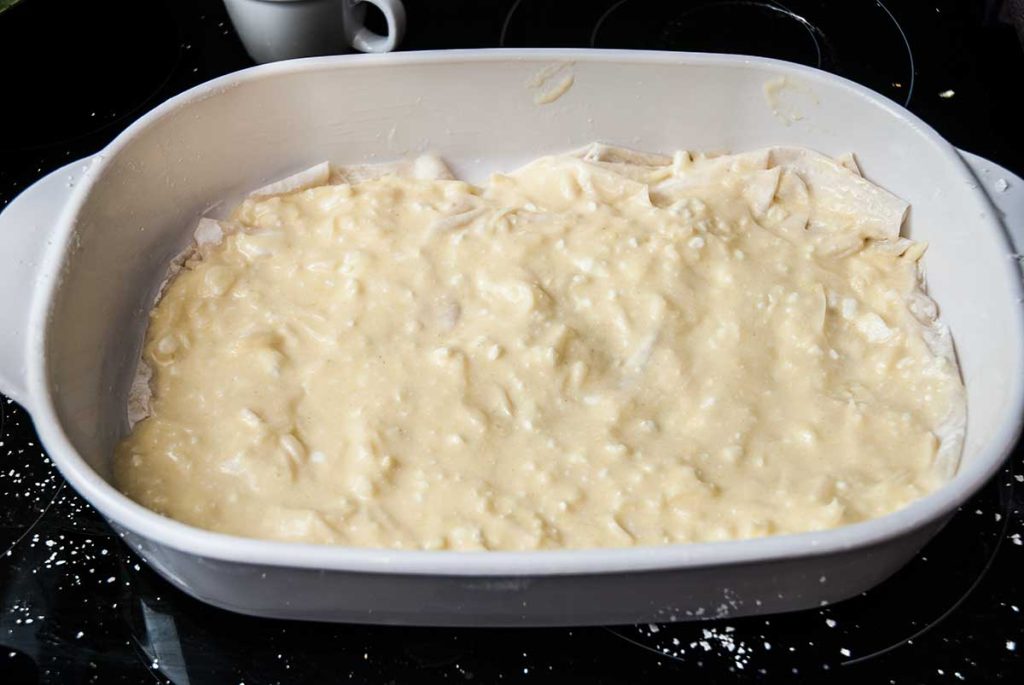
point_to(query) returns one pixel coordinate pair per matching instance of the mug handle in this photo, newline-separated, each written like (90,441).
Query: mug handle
(366,40)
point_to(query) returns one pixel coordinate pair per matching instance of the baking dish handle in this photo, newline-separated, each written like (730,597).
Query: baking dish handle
(1006,190)
(26,226)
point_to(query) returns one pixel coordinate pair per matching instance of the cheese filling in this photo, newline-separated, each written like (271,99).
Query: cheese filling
(597,350)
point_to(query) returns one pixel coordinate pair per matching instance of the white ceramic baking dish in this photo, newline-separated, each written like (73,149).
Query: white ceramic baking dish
(79,269)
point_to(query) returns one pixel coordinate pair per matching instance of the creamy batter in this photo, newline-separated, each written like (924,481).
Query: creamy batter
(600,349)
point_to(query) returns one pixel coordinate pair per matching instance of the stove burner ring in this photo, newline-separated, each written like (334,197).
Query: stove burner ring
(863,623)
(829,36)
(715,15)
(906,44)
(508,21)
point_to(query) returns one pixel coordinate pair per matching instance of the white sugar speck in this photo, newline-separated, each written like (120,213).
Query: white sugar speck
(830,622)
(1011,645)
(844,651)
(947,94)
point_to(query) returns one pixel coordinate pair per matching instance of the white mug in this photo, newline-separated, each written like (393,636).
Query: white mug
(273,30)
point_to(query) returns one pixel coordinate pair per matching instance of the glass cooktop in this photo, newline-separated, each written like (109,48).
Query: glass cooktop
(77,606)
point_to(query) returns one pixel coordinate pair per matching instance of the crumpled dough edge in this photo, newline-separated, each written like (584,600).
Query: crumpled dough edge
(951,431)
(886,214)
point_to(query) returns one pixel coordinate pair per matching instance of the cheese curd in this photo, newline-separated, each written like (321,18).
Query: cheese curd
(600,349)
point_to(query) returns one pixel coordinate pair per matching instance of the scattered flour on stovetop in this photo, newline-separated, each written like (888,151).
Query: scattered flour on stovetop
(28,481)
(52,541)
(721,641)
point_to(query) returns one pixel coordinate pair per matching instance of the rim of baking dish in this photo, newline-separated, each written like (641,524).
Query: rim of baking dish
(185,538)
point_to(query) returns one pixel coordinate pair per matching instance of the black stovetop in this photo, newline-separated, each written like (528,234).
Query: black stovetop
(77,606)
